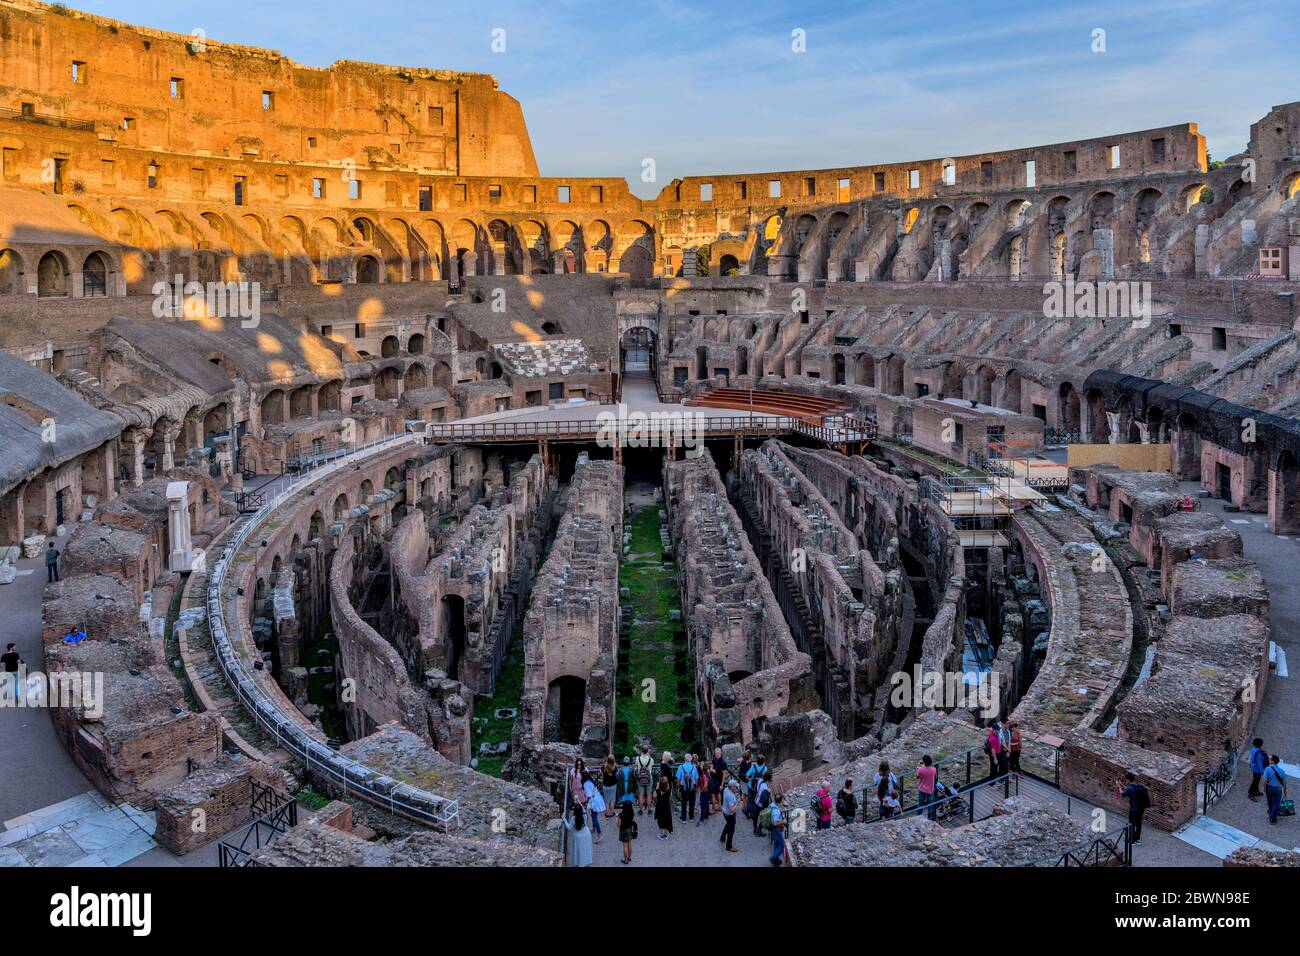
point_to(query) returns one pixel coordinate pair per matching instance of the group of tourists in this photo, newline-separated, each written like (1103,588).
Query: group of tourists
(673,793)
(1266,769)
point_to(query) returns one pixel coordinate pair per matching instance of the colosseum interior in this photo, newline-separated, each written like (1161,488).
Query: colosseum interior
(389,477)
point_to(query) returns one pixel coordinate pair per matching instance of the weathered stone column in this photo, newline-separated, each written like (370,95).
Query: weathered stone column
(133,442)
(181,556)
(167,453)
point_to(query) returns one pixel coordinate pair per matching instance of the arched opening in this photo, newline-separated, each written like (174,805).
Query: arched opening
(273,408)
(416,377)
(388,384)
(215,422)
(838,369)
(742,360)
(636,351)
(316,527)
(729,265)
(1186,450)
(984,377)
(1098,420)
(566,699)
(1068,411)
(367,270)
(367,490)
(1011,391)
(866,370)
(300,402)
(11,273)
(415,344)
(340,507)
(894,375)
(391,478)
(329,398)
(551,328)
(1284,501)
(52,275)
(701,363)
(453,633)
(94,275)
(389,346)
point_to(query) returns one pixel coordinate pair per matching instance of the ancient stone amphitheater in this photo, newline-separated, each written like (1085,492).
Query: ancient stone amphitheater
(309,375)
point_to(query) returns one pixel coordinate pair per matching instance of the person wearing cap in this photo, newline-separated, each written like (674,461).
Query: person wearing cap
(730,807)
(626,782)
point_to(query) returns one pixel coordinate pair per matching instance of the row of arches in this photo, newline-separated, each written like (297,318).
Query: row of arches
(55,271)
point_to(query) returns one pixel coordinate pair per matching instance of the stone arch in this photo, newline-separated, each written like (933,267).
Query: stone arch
(416,377)
(894,375)
(637,249)
(52,275)
(728,265)
(1011,391)
(415,344)
(341,507)
(390,346)
(96,275)
(368,271)
(330,397)
(12,270)
(866,370)
(1284,495)
(300,401)
(272,408)
(1069,415)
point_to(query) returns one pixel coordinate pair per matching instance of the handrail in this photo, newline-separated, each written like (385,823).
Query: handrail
(289,733)
(587,428)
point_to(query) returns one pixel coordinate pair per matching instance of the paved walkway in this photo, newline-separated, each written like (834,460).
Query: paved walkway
(689,845)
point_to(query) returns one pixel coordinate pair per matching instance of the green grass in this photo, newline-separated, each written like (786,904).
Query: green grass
(653,593)
(320,687)
(509,691)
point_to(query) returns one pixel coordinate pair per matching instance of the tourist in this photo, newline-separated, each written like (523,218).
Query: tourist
(579,839)
(666,766)
(644,768)
(822,805)
(627,828)
(704,790)
(753,778)
(778,832)
(716,778)
(993,747)
(627,785)
(74,636)
(762,799)
(52,563)
(1274,787)
(886,796)
(12,662)
(609,783)
(664,807)
(1015,741)
(884,774)
(688,781)
(595,802)
(730,806)
(1139,798)
(846,804)
(927,775)
(573,782)
(891,805)
(1258,764)
(742,769)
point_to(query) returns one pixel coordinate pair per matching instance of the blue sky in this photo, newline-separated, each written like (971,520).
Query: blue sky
(706,88)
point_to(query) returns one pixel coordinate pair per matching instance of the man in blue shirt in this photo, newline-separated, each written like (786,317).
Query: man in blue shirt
(778,831)
(1274,787)
(687,779)
(1258,764)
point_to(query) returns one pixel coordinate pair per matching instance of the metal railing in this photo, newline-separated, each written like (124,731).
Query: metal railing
(962,803)
(1216,783)
(47,119)
(291,735)
(1110,849)
(588,429)
(276,813)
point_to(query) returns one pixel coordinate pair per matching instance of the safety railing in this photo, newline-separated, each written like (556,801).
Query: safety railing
(276,813)
(1216,783)
(290,735)
(1110,849)
(589,429)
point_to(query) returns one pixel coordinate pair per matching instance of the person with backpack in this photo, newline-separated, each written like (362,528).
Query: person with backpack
(846,804)
(762,799)
(644,778)
(1139,798)
(1274,787)
(927,775)
(1258,764)
(1015,743)
(884,774)
(688,781)
(822,805)
(777,823)
(884,792)
(730,806)
(627,828)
